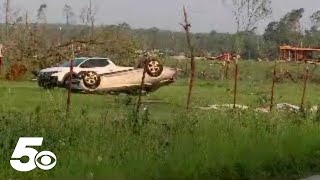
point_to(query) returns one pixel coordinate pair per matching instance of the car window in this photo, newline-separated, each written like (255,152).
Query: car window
(91,63)
(76,62)
(88,64)
(101,62)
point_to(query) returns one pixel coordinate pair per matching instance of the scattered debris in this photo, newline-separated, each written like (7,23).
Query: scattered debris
(236,105)
(263,110)
(314,109)
(285,107)
(226,56)
(288,107)
(209,108)
(224,106)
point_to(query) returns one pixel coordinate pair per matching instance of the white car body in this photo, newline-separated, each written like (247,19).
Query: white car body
(112,78)
(61,72)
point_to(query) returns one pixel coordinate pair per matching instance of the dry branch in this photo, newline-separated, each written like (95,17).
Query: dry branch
(56,51)
(95,42)
(186,26)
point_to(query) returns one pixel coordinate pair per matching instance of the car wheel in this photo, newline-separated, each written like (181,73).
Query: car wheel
(91,79)
(154,68)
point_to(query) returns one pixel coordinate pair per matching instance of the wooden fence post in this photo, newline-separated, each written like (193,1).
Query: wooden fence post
(70,80)
(227,66)
(227,70)
(142,84)
(236,74)
(1,59)
(306,78)
(273,85)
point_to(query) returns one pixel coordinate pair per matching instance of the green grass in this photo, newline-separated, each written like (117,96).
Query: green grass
(103,138)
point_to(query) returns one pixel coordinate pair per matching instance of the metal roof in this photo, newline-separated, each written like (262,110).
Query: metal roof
(298,48)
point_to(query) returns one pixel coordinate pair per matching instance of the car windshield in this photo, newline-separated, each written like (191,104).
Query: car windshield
(76,62)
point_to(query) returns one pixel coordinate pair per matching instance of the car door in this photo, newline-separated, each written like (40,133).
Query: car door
(101,66)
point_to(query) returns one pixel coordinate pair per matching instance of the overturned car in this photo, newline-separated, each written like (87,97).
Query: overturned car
(102,75)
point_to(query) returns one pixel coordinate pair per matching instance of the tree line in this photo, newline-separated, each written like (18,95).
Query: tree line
(40,44)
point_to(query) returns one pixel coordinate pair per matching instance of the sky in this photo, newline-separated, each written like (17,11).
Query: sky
(205,15)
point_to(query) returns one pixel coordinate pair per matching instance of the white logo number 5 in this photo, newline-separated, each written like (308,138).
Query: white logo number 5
(22,150)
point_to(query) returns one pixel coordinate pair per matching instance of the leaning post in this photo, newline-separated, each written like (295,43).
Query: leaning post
(186,26)
(1,59)
(306,78)
(227,66)
(70,79)
(236,74)
(273,85)
(142,84)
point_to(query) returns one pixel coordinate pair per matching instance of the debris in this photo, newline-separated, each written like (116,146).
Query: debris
(209,108)
(281,107)
(263,110)
(235,105)
(314,109)
(288,107)
(223,106)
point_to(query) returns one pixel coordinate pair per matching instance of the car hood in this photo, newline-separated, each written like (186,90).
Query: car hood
(53,69)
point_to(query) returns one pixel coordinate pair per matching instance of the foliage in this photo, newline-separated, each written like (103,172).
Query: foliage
(315,19)
(287,30)
(248,13)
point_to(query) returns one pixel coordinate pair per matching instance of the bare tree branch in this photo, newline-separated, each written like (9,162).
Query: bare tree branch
(186,26)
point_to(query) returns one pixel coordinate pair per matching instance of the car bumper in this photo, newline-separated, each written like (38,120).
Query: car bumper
(47,81)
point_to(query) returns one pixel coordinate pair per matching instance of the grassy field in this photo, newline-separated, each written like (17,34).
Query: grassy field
(103,137)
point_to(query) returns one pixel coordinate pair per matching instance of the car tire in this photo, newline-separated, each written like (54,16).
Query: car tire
(91,79)
(153,68)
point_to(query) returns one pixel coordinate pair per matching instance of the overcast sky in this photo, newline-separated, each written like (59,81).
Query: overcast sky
(206,15)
